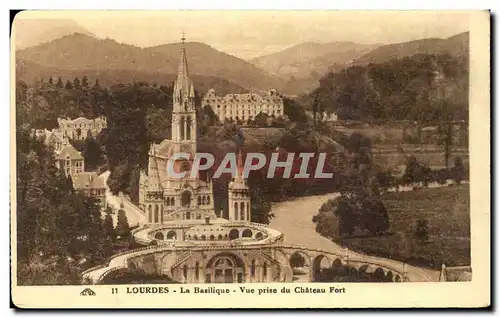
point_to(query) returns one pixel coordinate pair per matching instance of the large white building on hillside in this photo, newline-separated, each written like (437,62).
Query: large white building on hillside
(81,127)
(244,107)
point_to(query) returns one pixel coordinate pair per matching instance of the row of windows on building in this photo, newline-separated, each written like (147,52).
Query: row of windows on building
(233,234)
(70,168)
(170,201)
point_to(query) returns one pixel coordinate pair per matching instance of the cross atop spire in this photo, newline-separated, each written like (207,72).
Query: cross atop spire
(183,84)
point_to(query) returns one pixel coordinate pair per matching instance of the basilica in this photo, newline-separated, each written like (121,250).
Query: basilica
(165,197)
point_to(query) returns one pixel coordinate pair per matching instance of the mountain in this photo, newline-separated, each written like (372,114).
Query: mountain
(82,53)
(30,72)
(32,32)
(306,59)
(457,46)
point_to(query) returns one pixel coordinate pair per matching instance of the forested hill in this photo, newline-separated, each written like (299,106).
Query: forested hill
(31,72)
(423,87)
(85,54)
(456,46)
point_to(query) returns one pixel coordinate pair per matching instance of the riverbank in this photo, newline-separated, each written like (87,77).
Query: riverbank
(294,219)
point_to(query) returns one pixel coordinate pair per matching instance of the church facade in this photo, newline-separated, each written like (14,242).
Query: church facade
(164,196)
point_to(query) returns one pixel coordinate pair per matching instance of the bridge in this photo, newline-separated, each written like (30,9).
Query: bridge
(188,263)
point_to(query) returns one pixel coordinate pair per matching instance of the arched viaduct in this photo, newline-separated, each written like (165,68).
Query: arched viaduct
(246,263)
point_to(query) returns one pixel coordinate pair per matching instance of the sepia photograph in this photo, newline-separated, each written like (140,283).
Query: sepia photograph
(237,147)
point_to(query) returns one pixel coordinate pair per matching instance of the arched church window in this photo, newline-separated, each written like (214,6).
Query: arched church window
(203,237)
(204,200)
(182,123)
(236,211)
(208,200)
(220,237)
(188,128)
(156,213)
(242,211)
(185,271)
(197,271)
(150,214)
(199,200)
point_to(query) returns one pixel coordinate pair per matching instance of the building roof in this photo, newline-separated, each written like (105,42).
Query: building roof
(88,180)
(245,97)
(82,120)
(70,151)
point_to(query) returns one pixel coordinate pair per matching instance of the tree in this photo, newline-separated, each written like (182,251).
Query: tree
(92,154)
(68,85)
(261,120)
(315,107)
(59,83)
(76,83)
(446,134)
(294,111)
(96,85)
(122,227)
(422,231)
(51,81)
(85,82)
(58,222)
(458,170)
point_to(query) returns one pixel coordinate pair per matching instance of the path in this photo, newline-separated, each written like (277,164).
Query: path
(135,217)
(294,219)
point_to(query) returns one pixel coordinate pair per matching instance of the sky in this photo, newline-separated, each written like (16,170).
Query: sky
(249,34)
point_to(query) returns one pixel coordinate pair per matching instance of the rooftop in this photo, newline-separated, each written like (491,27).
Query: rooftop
(70,151)
(88,180)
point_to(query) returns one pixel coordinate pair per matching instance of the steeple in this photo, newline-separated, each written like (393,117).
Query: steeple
(182,72)
(239,173)
(183,84)
(184,110)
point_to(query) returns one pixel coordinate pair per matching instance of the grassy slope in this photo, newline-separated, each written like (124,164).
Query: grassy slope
(448,213)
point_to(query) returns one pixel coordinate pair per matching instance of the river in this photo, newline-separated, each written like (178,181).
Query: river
(294,219)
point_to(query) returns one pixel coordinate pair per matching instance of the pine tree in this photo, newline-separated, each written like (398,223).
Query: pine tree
(107,226)
(122,227)
(59,83)
(96,85)
(85,82)
(68,85)
(76,83)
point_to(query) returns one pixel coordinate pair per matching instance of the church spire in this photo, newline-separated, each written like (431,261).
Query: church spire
(240,165)
(182,72)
